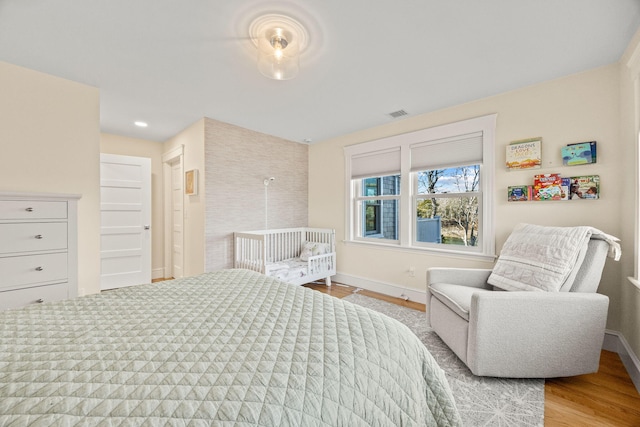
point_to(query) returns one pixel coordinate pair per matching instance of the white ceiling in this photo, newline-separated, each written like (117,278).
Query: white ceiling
(172,62)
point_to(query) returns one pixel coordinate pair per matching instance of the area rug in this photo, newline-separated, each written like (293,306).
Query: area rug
(482,401)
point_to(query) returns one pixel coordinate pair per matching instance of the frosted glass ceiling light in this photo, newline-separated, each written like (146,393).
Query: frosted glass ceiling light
(278,55)
(280,40)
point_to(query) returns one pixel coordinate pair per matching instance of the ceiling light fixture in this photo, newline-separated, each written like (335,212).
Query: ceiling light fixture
(141,124)
(280,40)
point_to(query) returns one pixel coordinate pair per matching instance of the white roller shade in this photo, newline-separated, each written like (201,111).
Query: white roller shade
(448,152)
(376,163)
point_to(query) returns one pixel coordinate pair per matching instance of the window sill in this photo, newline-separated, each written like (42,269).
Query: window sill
(634,282)
(418,250)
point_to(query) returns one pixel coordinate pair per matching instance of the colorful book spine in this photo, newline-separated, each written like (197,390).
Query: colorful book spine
(566,188)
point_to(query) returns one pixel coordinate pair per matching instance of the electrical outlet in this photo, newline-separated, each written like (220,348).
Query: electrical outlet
(412,271)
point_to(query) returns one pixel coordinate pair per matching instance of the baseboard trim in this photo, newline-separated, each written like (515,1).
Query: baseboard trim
(616,342)
(157,273)
(381,287)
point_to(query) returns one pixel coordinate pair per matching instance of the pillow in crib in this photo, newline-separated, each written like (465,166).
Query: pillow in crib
(320,249)
(310,249)
(307,251)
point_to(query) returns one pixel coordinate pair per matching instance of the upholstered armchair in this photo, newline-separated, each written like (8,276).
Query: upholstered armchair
(524,333)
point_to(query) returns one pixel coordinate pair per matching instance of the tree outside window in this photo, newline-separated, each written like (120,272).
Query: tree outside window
(447,206)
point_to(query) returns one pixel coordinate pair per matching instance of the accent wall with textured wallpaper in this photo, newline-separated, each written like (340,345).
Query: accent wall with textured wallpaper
(237,162)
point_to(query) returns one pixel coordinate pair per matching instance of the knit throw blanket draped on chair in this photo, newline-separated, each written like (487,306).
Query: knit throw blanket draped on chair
(538,258)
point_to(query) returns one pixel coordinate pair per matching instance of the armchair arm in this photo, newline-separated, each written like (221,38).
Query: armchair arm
(476,277)
(536,334)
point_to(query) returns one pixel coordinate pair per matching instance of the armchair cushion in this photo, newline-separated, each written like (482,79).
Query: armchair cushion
(456,297)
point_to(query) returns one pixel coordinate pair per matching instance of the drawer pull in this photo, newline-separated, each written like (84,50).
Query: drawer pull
(38,236)
(39,268)
(29,209)
(40,301)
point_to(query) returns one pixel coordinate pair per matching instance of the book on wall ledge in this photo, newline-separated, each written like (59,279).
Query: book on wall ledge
(524,154)
(547,186)
(585,187)
(581,153)
(519,193)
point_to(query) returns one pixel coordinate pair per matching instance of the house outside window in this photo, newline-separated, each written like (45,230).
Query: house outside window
(378,207)
(427,190)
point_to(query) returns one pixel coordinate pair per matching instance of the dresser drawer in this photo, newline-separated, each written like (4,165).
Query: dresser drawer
(25,209)
(19,271)
(38,294)
(30,237)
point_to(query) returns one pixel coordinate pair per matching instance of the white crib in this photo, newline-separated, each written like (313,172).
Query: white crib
(294,255)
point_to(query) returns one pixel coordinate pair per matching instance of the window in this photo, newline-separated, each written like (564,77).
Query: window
(425,190)
(447,208)
(447,192)
(372,213)
(377,207)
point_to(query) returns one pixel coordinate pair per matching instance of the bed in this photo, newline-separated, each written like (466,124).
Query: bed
(232,347)
(295,255)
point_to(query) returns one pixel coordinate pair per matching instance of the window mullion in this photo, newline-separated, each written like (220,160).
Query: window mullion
(366,198)
(448,195)
(406,189)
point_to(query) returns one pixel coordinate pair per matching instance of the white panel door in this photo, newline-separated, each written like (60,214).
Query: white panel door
(177,215)
(125,236)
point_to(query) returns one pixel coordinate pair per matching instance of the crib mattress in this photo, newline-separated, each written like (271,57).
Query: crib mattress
(228,348)
(288,270)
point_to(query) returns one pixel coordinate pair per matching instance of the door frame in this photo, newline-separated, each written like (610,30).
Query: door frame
(168,158)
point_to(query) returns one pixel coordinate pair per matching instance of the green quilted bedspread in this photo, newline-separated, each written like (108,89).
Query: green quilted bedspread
(227,348)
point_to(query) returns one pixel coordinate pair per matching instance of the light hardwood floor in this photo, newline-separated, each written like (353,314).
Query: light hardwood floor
(606,398)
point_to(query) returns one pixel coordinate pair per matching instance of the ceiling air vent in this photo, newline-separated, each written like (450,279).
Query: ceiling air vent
(398,113)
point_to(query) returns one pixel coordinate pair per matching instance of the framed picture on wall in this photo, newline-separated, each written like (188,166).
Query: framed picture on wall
(191,182)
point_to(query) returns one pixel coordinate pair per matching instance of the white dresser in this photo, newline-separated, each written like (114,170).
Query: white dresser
(38,248)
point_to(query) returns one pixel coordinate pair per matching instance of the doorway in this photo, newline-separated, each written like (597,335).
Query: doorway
(173,172)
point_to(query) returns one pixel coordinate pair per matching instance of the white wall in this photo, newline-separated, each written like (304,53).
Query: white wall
(577,108)
(237,162)
(114,144)
(192,139)
(50,140)
(232,164)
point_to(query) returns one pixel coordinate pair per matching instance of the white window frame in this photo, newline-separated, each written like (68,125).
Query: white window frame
(633,65)
(358,214)
(406,240)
